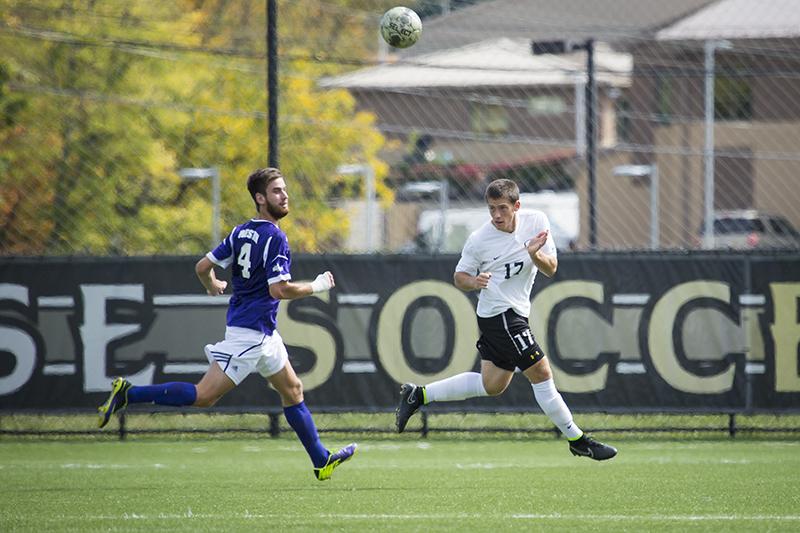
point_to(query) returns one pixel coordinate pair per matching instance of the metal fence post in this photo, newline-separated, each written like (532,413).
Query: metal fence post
(274,425)
(123,432)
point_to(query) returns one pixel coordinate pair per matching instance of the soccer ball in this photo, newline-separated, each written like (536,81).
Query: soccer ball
(400,27)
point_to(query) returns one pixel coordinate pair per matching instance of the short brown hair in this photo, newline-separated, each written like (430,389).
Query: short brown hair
(502,189)
(260,179)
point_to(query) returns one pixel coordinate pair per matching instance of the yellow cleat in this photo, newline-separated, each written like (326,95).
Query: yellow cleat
(334,460)
(117,400)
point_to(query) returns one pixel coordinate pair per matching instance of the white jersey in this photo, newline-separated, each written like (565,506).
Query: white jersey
(505,255)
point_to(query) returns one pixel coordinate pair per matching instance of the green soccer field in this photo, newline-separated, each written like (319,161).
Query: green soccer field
(404,484)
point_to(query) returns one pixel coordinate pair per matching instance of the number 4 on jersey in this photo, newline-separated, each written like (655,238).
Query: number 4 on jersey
(244,260)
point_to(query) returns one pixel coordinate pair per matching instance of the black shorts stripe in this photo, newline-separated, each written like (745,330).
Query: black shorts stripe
(511,337)
(507,341)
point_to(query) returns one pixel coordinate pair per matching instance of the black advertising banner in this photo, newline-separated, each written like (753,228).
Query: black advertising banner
(632,332)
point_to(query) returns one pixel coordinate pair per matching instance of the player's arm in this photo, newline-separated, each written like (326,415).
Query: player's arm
(470,262)
(205,273)
(290,290)
(468,282)
(547,264)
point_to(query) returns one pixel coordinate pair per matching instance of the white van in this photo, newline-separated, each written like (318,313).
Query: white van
(561,208)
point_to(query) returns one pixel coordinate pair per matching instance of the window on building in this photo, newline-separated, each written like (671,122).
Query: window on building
(733,98)
(623,120)
(733,179)
(664,97)
(546,105)
(489,118)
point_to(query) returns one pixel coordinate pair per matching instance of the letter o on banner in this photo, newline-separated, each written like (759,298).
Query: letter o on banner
(389,335)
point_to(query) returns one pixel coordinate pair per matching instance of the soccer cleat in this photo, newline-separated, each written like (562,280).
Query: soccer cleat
(586,446)
(117,400)
(411,399)
(334,460)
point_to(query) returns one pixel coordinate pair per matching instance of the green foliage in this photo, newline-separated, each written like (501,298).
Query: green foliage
(103,102)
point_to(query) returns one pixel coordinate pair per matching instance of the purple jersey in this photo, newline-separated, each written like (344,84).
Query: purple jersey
(259,253)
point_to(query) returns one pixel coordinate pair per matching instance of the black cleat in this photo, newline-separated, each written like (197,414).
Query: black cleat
(410,402)
(586,446)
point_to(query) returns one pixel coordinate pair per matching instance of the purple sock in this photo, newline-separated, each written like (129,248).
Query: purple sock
(299,417)
(175,393)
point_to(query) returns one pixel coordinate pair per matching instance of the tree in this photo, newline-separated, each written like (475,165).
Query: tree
(122,95)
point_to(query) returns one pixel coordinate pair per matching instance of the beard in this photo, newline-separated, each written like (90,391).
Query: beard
(276,211)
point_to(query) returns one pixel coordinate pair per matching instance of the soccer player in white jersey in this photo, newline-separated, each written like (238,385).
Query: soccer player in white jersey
(259,255)
(500,259)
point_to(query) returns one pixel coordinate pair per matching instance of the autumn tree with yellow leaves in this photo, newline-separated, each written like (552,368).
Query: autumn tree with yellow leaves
(102,102)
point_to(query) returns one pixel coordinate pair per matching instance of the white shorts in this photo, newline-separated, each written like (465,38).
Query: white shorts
(245,351)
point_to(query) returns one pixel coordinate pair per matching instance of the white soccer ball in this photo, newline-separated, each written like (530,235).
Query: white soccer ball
(401,27)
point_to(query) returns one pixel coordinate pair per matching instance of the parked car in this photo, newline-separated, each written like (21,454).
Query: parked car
(748,228)
(561,208)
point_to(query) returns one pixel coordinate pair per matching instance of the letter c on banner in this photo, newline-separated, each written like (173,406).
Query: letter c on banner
(543,306)
(390,331)
(662,347)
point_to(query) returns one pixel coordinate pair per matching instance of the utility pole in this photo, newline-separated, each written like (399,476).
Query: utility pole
(591,138)
(590,103)
(272,82)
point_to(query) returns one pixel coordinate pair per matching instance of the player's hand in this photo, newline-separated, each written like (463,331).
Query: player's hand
(218,286)
(535,244)
(323,282)
(482,280)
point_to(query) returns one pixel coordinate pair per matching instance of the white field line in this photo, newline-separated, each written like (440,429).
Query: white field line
(433,516)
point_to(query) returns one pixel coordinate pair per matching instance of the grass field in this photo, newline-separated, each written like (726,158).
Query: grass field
(398,484)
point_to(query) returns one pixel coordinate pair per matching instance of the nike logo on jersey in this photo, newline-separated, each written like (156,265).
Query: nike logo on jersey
(276,268)
(495,258)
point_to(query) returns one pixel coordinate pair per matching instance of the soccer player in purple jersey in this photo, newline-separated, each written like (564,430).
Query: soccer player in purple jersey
(259,255)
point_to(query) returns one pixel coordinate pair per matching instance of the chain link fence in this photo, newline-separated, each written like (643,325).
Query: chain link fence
(634,124)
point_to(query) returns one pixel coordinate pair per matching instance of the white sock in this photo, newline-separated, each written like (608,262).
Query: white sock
(458,387)
(554,407)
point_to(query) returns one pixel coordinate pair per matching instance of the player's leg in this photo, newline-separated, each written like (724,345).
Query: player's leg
(290,388)
(497,370)
(211,388)
(213,385)
(549,399)
(175,393)
(491,381)
(553,405)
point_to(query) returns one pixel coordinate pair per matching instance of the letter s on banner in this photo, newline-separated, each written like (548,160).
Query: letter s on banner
(390,331)
(313,337)
(16,342)
(23,348)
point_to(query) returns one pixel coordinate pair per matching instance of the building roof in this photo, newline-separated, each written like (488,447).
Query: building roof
(605,20)
(738,19)
(492,63)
